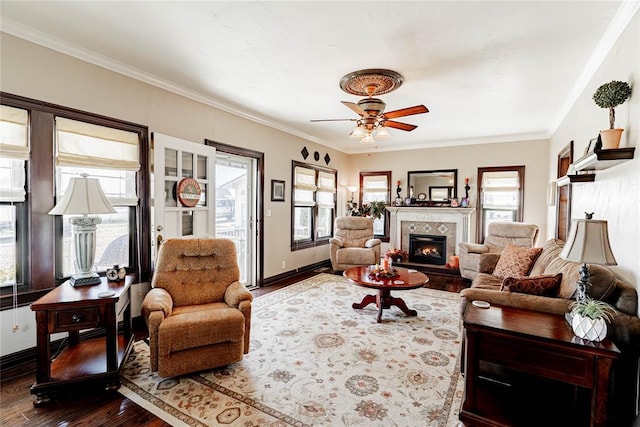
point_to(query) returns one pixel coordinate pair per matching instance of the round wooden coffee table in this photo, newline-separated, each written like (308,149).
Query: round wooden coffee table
(405,280)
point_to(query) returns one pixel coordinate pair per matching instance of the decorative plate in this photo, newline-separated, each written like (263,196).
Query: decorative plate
(422,196)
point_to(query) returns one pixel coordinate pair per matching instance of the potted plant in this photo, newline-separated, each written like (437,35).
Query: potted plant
(374,210)
(397,255)
(590,317)
(610,95)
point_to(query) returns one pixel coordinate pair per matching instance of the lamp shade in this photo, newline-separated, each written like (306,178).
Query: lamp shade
(83,196)
(588,242)
(352,188)
(382,132)
(358,132)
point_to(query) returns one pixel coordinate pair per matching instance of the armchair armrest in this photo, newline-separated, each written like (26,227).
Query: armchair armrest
(473,248)
(156,306)
(336,241)
(372,242)
(157,299)
(236,293)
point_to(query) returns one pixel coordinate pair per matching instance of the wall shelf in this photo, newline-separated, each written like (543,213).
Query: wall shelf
(603,159)
(579,177)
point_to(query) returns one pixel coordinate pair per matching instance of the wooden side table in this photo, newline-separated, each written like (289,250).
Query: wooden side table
(535,343)
(72,309)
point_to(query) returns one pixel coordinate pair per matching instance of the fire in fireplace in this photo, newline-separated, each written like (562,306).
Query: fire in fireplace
(427,249)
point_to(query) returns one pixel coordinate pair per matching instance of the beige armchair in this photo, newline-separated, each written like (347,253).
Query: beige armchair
(197,312)
(353,243)
(482,258)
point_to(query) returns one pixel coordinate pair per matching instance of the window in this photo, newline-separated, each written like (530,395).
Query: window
(376,187)
(14,151)
(501,195)
(111,155)
(56,143)
(314,205)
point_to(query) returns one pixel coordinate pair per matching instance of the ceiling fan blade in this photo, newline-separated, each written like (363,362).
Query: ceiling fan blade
(356,108)
(333,120)
(399,125)
(409,111)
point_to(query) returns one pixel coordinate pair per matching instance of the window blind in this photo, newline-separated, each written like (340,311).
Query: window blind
(375,184)
(304,186)
(14,152)
(88,145)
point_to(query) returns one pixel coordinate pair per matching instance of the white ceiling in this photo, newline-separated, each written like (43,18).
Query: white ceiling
(487,71)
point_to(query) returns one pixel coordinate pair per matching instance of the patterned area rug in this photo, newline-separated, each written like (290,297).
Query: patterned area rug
(315,361)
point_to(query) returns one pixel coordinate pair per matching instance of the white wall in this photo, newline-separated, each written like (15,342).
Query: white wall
(467,159)
(615,194)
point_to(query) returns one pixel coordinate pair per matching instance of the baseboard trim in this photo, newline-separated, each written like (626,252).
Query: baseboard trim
(297,272)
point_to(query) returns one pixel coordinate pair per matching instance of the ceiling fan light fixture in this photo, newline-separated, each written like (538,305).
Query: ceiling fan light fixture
(382,132)
(358,132)
(368,139)
(371,82)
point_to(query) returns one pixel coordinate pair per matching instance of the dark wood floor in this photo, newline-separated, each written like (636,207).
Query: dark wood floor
(113,409)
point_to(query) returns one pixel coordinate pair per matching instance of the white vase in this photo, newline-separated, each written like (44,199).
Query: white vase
(588,328)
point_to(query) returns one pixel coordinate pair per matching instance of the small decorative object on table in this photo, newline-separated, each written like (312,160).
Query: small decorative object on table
(590,317)
(116,273)
(378,273)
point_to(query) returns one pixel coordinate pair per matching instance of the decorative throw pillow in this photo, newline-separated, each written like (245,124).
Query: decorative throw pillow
(516,261)
(545,285)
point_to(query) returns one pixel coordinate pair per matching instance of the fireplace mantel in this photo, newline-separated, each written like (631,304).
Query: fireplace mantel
(462,217)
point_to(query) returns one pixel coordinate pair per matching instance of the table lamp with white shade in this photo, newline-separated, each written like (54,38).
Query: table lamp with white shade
(84,196)
(588,243)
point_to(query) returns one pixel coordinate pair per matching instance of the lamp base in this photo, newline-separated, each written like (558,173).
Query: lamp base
(82,280)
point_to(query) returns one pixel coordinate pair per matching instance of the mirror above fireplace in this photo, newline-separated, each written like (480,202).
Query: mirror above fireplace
(432,186)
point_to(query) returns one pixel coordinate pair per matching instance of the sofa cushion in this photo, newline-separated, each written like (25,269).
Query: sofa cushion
(545,285)
(550,251)
(602,280)
(516,261)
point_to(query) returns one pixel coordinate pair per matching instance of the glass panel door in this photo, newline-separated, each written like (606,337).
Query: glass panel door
(236,209)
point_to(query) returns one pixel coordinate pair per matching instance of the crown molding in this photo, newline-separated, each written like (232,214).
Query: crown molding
(34,36)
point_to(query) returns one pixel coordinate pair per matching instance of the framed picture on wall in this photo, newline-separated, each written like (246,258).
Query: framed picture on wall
(277,190)
(590,146)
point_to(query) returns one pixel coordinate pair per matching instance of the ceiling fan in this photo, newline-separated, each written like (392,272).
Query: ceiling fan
(373,121)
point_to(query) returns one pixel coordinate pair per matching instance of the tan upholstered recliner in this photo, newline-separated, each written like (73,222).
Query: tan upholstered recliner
(198,313)
(482,258)
(353,243)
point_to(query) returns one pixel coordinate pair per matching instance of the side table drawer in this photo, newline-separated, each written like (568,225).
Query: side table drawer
(79,318)
(524,355)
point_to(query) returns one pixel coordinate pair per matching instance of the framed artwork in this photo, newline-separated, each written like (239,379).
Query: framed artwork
(277,190)
(591,146)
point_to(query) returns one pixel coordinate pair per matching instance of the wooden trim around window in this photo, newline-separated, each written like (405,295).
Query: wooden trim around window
(479,215)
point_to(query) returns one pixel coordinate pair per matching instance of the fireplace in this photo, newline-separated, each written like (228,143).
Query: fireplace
(427,249)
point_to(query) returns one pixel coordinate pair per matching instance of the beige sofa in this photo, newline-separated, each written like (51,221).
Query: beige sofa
(606,285)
